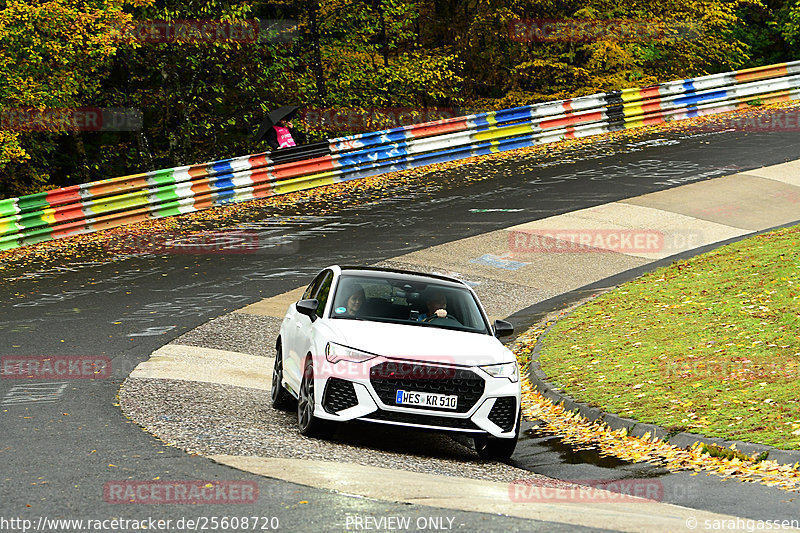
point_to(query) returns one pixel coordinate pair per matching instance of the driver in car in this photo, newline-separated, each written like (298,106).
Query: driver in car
(437,303)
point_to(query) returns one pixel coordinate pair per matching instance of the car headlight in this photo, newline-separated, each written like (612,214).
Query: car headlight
(336,352)
(505,370)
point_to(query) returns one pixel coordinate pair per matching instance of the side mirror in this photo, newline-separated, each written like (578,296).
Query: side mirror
(308,308)
(502,328)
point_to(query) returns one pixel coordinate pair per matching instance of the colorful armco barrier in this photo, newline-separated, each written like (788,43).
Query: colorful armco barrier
(118,201)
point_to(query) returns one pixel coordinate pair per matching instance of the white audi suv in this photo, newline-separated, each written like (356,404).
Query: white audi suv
(402,348)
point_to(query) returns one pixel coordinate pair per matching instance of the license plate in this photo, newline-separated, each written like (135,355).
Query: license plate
(426,399)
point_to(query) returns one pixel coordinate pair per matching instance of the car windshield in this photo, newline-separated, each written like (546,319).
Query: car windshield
(399,300)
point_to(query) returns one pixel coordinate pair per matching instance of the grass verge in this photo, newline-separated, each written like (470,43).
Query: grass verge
(709,345)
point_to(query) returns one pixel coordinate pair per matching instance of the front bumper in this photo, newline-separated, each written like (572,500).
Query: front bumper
(365,391)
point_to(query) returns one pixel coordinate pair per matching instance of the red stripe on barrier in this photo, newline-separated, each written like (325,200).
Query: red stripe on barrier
(113,221)
(649,92)
(66,195)
(260,176)
(651,107)
(570,120)
(438,128)
(126,184)
(66,213)
(258,161)
(302,168)
(72,228)
(649,121)
(262,190)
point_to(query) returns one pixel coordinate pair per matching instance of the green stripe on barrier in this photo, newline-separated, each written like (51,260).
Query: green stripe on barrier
(166,194)
(9,225)
(33,202)
(167,198)
(8,207)
(167,209)
(9,242)
(32,220)
(159,178)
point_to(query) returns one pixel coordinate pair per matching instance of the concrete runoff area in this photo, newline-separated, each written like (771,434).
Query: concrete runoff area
(633,514)
(206,365)
(686,217)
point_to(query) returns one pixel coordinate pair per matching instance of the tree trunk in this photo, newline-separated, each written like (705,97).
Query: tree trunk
(319,75)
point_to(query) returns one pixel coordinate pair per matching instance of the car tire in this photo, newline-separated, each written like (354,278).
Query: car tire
(281,399)
(307,423)
(496,449)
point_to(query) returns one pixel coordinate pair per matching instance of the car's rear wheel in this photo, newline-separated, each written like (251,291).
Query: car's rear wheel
(308,424)
(281,399)
(496,449)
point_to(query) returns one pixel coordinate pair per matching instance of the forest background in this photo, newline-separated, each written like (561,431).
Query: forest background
(202,99)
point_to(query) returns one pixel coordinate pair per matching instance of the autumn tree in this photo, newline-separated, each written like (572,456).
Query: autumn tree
(54,55)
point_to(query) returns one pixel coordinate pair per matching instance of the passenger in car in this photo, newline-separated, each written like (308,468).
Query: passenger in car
(354,302)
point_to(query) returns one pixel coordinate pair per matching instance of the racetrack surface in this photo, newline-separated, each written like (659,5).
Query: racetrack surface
(62,445)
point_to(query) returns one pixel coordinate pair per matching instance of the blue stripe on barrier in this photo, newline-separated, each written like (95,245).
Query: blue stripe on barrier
(451,154)
(516,114)
(373,154)
(222,182)
(697,98)
(374,170)
(220,167)
(223,197)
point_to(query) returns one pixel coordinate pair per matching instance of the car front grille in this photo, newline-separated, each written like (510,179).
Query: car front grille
(390,376)
(339,395)
(424,420)
(504,413)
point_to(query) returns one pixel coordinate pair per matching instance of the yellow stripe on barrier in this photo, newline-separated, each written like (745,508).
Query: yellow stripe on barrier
(49,216)
(499,133)
(305,182)
(631,95)
(115,203)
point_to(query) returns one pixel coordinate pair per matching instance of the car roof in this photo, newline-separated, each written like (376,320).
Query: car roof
(399,274)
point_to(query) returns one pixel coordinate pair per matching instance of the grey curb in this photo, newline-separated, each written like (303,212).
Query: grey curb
(683,440)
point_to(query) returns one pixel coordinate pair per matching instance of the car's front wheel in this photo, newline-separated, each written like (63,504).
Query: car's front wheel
(496,449)
(308,424)
(281,399)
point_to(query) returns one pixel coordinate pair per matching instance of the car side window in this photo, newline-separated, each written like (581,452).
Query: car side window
(312,288)
(323,291)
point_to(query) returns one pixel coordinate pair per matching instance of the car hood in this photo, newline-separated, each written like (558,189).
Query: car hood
(420,342)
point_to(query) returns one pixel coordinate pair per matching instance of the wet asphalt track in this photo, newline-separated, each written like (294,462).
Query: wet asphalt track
(59,447)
